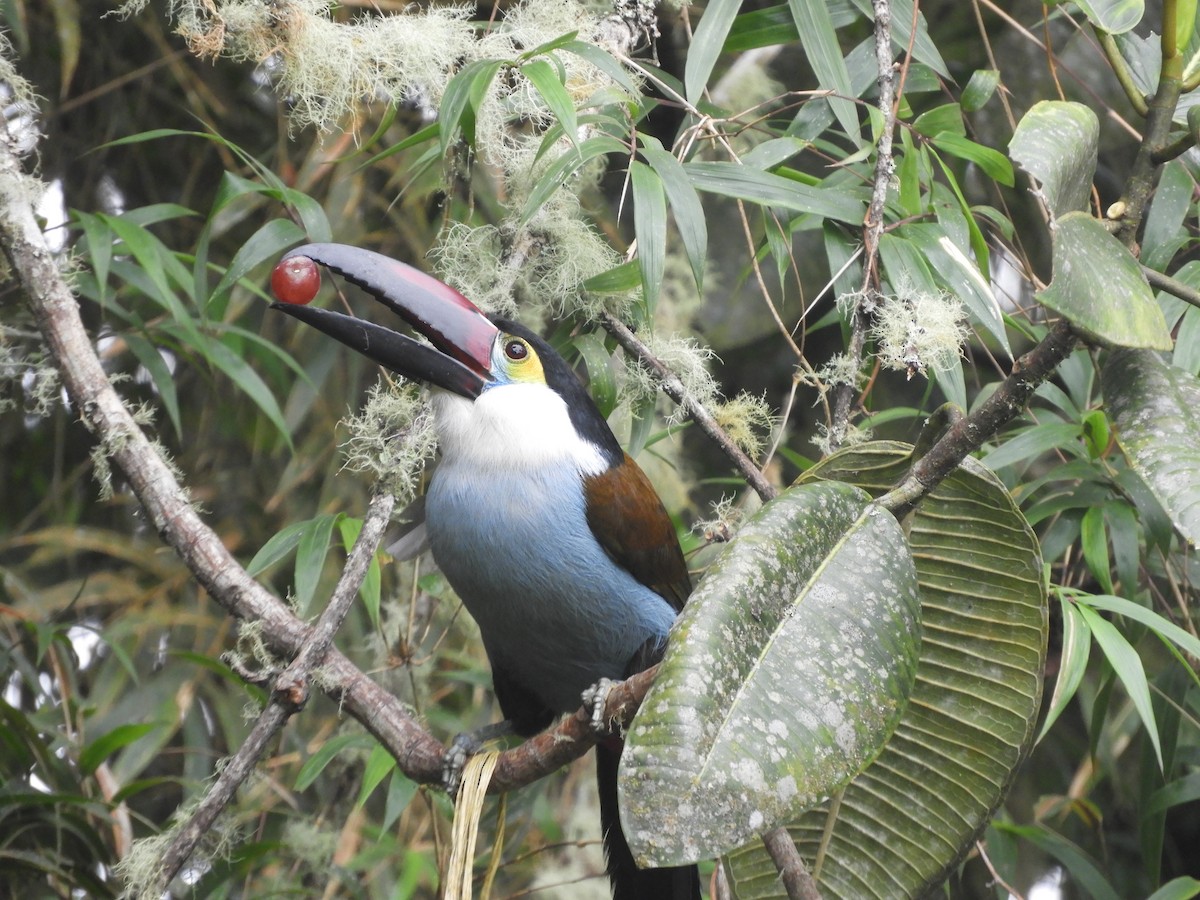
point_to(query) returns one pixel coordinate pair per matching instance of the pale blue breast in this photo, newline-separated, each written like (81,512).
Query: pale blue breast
(556,613)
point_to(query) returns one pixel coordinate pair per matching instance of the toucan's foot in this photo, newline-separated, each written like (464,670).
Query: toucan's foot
(466,745)
(597,698)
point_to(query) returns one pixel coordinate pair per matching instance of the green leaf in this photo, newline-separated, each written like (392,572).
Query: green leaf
(545,78)
(1099,287)
(1056,143)
(1114,16)
(812,613)
(564,167)
(605,62)
(824,54)
(370,589)
(944,119)
(1080,866)
(625,277)
(685,206)
(315,764)
(707,42)
(979,89)
(1163,627)
(379,764)
(461,99)
(1093,535)
(310,559)
(147,354)
(1164,234)
(1033,442)
(994,163)
(240,373)
(602,382)
(278,547)
(650,226)
(107,744)
(1076,647)
(401,790)
(1128,667)
(962,276)
(733,180)
(904,823)
(1182,888)
(1155,408)
(903,39)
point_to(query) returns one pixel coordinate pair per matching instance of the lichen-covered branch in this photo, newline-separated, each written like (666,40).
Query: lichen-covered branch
(289,693)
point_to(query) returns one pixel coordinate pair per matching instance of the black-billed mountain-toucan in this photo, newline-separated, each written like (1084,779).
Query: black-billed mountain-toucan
(549,532)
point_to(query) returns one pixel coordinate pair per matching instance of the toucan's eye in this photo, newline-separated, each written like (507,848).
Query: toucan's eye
(516,350)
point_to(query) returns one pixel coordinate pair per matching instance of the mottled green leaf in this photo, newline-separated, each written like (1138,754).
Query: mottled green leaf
(980,89)
(789,668)
(1113,16)
(906,820)
(1056,143)
(1155,408)
(1099,287)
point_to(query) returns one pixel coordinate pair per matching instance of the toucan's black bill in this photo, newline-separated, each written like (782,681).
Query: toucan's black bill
(452,323)
(392,350)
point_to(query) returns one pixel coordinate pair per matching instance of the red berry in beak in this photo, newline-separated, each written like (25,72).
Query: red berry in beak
(296,280)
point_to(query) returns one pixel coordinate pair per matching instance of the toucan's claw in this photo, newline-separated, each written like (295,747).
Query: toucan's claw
(466,745)
(597,698)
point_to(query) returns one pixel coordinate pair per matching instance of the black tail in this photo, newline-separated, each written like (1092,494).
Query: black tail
(628,881)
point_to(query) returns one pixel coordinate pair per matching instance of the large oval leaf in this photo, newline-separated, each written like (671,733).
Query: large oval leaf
(789,668)
(1156,408)
(908,818)
(1056,143)
(1099,287)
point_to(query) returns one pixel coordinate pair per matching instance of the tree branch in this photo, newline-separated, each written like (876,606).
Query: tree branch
(674,389)
(288,695)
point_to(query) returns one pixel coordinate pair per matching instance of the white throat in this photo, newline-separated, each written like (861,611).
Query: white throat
(512,426)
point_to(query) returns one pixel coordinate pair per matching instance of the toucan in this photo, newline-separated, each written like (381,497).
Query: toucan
(551,535)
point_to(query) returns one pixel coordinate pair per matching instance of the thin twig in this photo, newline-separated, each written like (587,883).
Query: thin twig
(288,696)
(1173,286)
(844,393)
(674,389)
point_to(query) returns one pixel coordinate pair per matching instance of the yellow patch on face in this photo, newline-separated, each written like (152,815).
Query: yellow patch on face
(520,361)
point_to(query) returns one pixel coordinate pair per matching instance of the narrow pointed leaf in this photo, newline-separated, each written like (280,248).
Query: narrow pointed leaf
(706,45)
(310,559)
(1100,288)
(685,207)
(1076,644)
(650,226)
(545,78)
(789,668)
(824,54)
(1056,143)
(908,818)
(757,186)
(1156,409)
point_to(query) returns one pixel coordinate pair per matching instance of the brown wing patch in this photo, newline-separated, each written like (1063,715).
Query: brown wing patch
(631,524)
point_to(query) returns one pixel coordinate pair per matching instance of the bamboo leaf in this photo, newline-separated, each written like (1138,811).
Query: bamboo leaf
(707,43)
(650,226)
(744,183)
(685,207)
